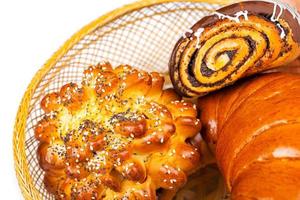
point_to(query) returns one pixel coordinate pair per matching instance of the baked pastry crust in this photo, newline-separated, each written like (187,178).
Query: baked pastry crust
(118,136)
(236,41)
(253,128)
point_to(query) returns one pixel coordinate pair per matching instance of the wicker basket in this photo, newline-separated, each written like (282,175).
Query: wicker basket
(141,34)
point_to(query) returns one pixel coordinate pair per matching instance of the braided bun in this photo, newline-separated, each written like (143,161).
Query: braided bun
(120,135)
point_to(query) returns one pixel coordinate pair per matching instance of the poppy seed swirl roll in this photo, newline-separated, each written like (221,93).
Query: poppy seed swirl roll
(236,41)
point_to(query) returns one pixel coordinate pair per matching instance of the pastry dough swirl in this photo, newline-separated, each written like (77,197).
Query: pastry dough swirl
(232,44)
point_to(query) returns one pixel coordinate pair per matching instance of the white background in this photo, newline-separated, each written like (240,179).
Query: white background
(30,32)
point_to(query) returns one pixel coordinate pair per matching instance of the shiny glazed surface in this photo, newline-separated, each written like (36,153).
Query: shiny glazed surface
(119,135)
(254,127)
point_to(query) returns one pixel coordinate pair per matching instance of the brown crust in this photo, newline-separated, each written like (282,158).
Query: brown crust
(108,138)
(254,7)
(279,40)
(254,130)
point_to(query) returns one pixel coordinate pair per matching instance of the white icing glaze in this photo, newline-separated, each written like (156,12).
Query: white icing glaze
(283,6)
(273,17)
(282,34)
(188,31)
(236,17)
(242,13)
(286,6)
(197,34)
(276,19)
(277,3)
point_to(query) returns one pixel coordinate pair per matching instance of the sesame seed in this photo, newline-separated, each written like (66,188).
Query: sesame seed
(173,181)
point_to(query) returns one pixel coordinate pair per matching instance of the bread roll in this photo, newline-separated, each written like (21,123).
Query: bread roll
(254,129)
(118,136)
(234,42)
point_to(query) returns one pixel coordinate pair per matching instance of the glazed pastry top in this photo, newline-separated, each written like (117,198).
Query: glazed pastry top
(236,41)
(119,135)
(253,128)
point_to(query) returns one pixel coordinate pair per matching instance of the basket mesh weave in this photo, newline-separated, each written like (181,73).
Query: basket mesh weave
(143,38)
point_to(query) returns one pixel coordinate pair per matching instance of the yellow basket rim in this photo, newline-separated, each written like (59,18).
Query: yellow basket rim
(25,181)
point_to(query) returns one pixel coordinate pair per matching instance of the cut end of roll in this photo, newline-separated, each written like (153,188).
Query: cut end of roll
(236,41)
